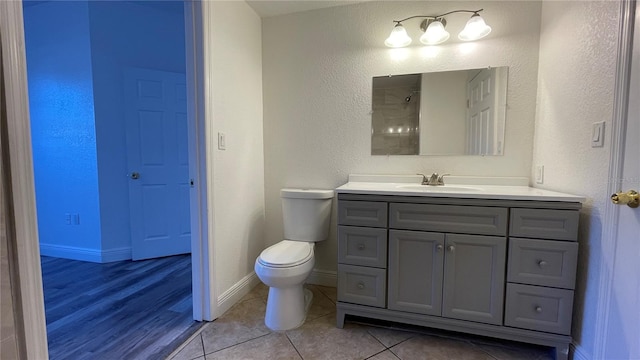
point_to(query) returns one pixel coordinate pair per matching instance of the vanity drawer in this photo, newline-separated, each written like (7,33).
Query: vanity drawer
(449,218)
(362,213)
(544,224)
(543,262)
(539,308)
(362,285)
(362,246)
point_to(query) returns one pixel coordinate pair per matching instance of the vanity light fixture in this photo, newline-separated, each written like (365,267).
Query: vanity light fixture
(434,29)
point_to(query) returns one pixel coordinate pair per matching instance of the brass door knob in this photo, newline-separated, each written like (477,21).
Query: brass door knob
(629,198)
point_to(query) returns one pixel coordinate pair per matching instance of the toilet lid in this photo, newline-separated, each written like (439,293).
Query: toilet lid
(287,253)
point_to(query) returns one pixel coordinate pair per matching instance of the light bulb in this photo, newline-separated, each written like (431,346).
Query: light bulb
(435,33)
(475,29)
(398,37)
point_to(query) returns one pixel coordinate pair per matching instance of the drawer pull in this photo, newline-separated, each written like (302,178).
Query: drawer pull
(538,309)
(451,248)
(360,246)
(439,247)
(542,263)
(360,285)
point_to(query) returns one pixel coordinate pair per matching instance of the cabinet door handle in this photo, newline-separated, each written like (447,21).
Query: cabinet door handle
(538,309)
(360,285)
(542,263)
(360,246)
(439,247)
(451,248)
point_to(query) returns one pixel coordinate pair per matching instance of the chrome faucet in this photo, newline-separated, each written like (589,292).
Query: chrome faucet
(434,179)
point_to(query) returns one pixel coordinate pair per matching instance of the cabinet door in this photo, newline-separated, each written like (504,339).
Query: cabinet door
(474,275)
(415,271)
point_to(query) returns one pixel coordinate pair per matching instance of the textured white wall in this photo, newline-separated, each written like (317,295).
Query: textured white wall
(233,67)
(576,77)
(317,71)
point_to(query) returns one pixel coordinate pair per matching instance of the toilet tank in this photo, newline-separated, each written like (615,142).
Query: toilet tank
(306,214)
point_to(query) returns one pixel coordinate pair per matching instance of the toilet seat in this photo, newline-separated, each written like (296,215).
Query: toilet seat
(286,254)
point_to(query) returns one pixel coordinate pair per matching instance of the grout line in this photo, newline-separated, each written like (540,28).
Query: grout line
(378,340)
(188,340)
(387,349)
(202,344)
(242,342)
(323,293)
(294,347)
(481,349)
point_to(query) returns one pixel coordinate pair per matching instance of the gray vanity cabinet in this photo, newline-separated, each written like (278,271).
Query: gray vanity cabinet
(474,278)
(416,265)
(458,276)
(490,267)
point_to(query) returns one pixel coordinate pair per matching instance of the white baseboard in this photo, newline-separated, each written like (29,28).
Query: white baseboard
(84,254)
(71,252)
(232,295)
(323,277)
(579,353)
(117,254)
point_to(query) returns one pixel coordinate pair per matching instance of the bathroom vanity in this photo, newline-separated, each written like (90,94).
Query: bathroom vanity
(490,260)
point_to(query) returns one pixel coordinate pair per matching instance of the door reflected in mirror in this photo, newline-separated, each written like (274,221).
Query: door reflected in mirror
(458,112)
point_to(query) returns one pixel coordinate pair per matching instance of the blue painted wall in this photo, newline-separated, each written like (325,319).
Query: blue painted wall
(126,34)
(76,55)
(62,124)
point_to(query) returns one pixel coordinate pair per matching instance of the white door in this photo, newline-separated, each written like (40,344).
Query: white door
(481,127)
(158,163)
(623,329)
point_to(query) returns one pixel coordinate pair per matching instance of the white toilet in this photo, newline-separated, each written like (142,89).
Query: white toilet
(286,265)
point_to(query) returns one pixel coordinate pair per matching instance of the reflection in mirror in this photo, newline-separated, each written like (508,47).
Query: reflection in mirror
(443,113)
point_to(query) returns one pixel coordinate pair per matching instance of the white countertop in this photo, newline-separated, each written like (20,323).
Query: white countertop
(403,187)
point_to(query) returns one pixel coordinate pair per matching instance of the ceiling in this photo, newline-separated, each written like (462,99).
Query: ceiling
(267,8)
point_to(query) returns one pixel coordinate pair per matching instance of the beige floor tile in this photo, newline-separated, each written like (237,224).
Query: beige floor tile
(385,355)
(321,305)
(272,346)
(320,339)
(330,292)
(193,350)
(437,348)
(260,291)
(517,351)
(389,337)
(244,321)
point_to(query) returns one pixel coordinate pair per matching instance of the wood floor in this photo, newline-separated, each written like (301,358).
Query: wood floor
(120,310)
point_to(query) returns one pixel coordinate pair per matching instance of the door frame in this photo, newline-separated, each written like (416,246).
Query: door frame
(26,282)
(30,317)
(609,237)
(202,251)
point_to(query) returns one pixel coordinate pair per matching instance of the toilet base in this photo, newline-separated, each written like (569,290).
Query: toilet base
(287,307)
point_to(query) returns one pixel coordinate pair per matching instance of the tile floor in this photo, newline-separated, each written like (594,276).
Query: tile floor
(241,334)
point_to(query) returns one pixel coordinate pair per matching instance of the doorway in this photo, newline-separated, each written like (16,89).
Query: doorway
(86,197)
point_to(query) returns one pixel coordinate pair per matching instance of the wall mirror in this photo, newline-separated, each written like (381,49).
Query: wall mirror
(459,112)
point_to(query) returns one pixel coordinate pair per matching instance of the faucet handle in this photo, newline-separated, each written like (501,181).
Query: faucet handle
(441,179)
(424,179)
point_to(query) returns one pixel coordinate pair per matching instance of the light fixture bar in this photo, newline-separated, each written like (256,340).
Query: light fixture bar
(437,16)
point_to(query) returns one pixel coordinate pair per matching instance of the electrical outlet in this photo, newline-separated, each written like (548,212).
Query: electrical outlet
(67,219)
(539,174)
(76,219)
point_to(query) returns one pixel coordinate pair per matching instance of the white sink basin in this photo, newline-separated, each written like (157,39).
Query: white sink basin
(440,188)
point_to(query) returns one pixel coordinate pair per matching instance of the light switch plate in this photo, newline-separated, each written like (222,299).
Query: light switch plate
(539,174)
(597,134)
(222,141)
